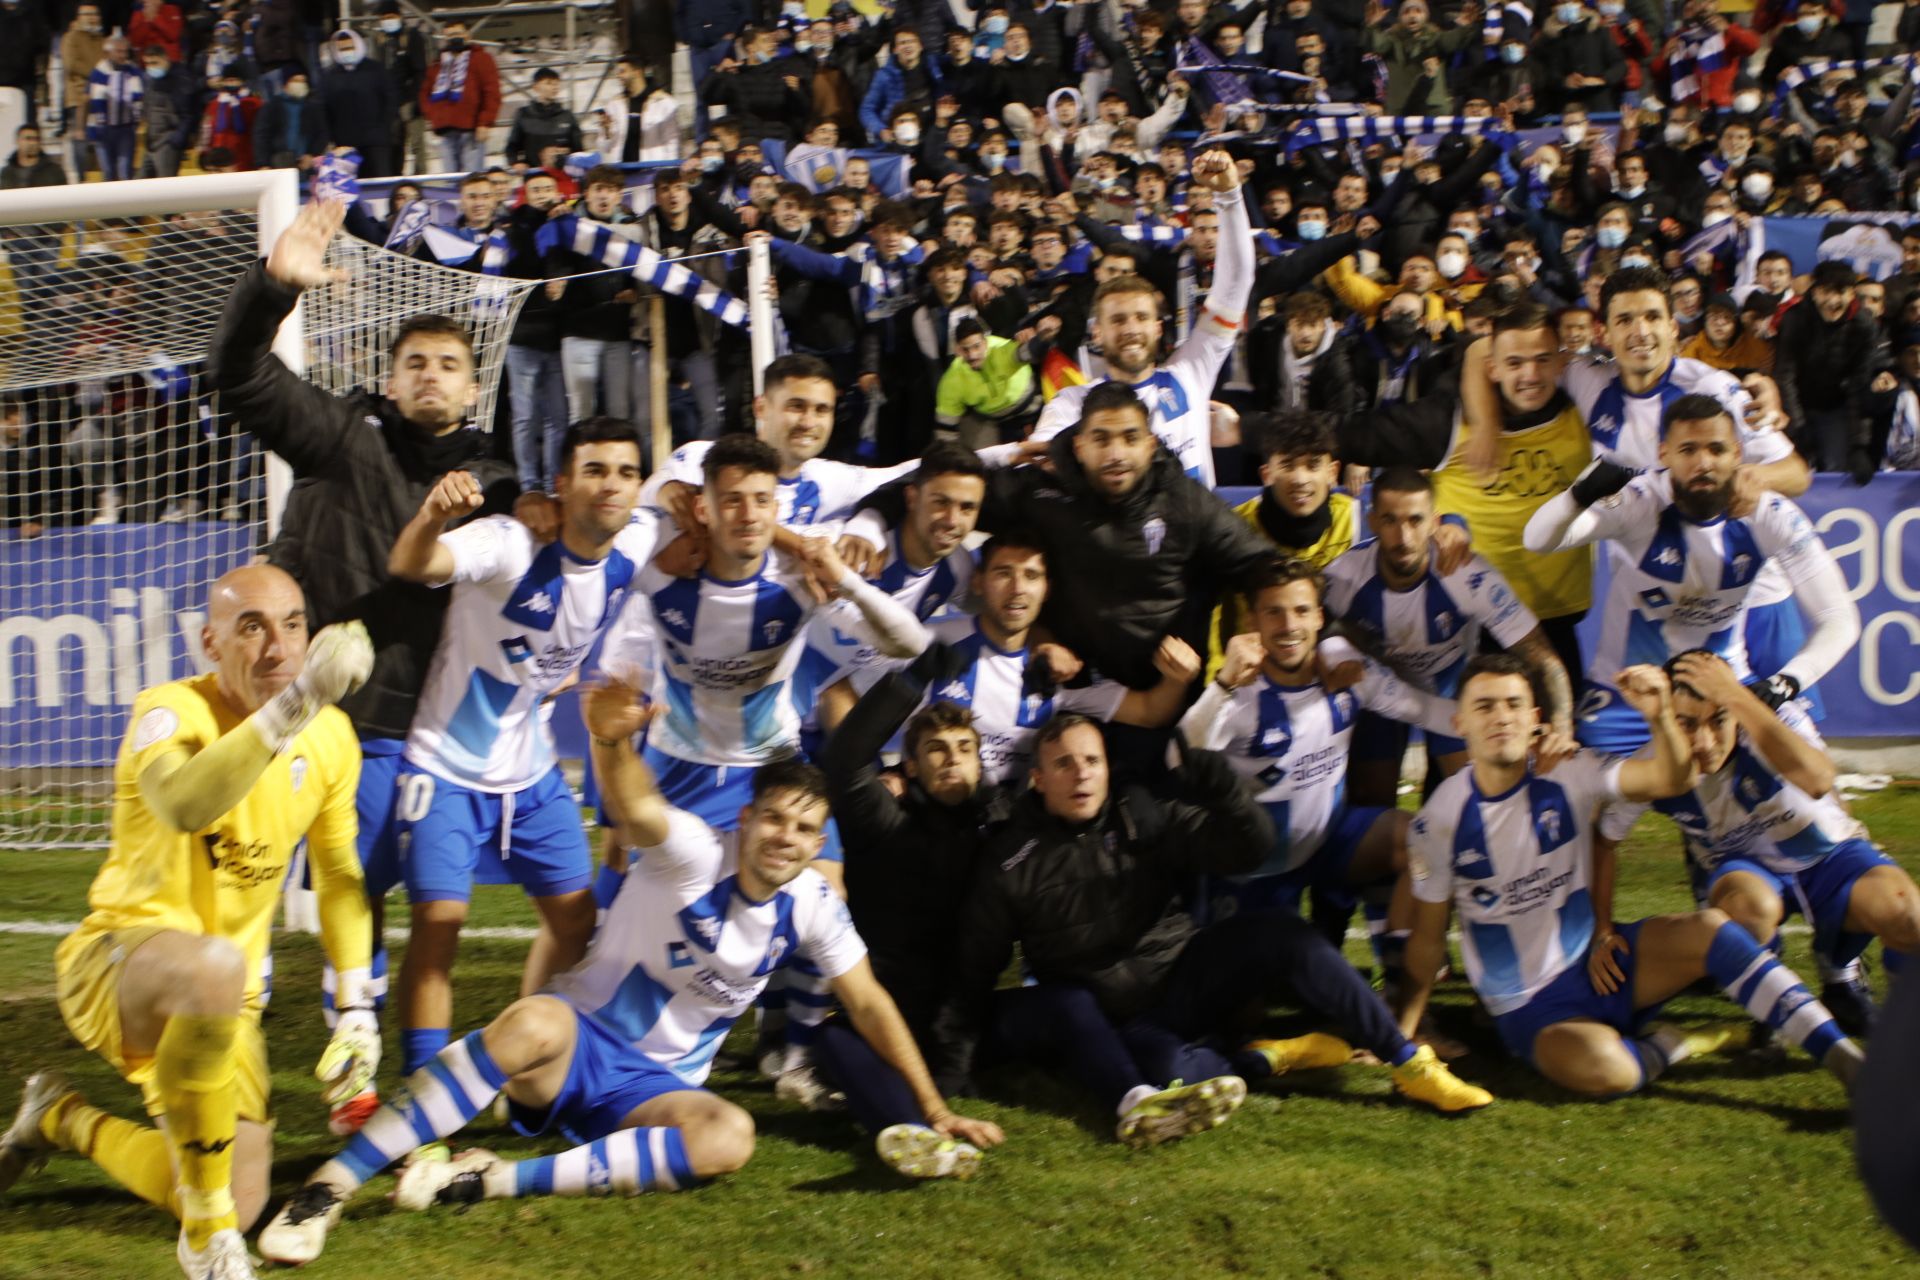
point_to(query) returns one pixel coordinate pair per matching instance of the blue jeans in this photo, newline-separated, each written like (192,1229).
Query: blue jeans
(537,389)
(114,149)
(34,256)
(462,151)
(598,373)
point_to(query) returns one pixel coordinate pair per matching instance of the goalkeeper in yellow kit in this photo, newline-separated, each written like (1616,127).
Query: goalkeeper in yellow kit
(218,779)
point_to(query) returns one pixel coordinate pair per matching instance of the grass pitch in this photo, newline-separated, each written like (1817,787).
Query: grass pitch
(1730,1166)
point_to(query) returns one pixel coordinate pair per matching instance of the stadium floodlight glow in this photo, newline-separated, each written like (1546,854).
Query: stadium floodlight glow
(128,488)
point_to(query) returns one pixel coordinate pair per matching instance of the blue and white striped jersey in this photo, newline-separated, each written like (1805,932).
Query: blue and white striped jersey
(684,952)
(522,619)
(1626,428)
(1429,630)
(993,687)
(1291,743)
(1178,396)
(1679,584)
(722,655)
(1515,868)
(837,645)
(824,493)
(1747,810)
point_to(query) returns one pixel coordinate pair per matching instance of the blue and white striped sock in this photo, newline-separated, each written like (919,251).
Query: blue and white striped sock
(1770,992)
(437,1100)
(629,1162)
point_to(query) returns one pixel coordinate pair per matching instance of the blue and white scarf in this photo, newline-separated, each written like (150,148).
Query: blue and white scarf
(1327,130)
(337,177)
(1793,77)
(450,81)
(604,243)
(409,226)
(1702,52)
(1496,26)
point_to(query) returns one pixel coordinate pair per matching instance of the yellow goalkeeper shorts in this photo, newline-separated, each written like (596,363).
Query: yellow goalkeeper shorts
(87,970)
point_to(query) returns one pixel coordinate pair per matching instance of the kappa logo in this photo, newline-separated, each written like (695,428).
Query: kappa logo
(708,928)
(954,689)
(1606,425)
(599,1176)
(538,602)
(1668,556)
(674,618)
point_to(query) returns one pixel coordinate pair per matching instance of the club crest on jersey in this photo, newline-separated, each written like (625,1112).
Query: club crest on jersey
(1485,897)
(297,773)
(1155,532)
(771,629)
(516,649)
(1549,824)
(1443,624)
(1656,598)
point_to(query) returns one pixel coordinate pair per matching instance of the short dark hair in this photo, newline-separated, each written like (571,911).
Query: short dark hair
(1107,396)
(1635,280)
(1694,408)
(738,449)
(1500,664)
(789,773)
(1282,570)
(891,213)
(1402,479)
(548,73)
(969,328)
(604,175)
(1010,540)
(1307,305)
(477,176)
(945,458)
(1834,274)
(933,718)
(1299,432)
(1523,316)
(28,127)
(429,324)
(599,429)
(1057,727)
(794,368)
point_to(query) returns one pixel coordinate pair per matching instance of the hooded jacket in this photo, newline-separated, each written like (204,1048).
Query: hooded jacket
(360,102)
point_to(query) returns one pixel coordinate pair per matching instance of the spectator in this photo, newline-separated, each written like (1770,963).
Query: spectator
(834,96)
(765,95)
(359,101)
(227,123)
(172,111)
(402,51)
(1580,60)
(31,471)
(1827,356)
(33,252)
(290,132)
(1812,37)
(81,47)
(1407,47)
(114,107)
(708,28)
(460,99)
(638,120)
(988,394)
(596,325)
(24,43)
(536,385)
(158,23)
(1723,343)
(908,79)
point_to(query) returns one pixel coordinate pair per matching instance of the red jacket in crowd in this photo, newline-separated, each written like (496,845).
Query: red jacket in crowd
(478,100)
(165,28)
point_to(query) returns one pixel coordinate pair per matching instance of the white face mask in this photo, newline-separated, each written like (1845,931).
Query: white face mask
(1757,186)
(1452,264)
(1575,133)
(390,25)
(1715,218)
(1746,103)
(906,134)
(1545,169)
(1676,135)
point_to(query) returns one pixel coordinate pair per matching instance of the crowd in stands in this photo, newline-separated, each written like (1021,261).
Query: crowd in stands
(945,186)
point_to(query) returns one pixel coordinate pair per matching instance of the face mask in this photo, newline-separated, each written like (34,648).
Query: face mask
(1513,53)
(802,46)
(1612,10)
(1465,233)
(1715,218)
(1631,193)
(1746,103)
(993,160)
(1636,261)
(1400,328)
(1756,186)
(390,25)
(1532,265)
(1451,264)
(759,57)
(456,45)
(1016,57)
(1848,159)
(1568,14)
(347,58)
(712,164)
(224,37)
(1575,133)
(1809,26)
(793,9)
(1676,135)
(1612,237)
(1311,230)
(996,25)
(296,91)
(156,73)
(906,134)
(1545,169)
(1104,183)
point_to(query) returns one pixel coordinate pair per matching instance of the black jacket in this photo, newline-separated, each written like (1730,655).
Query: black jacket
(1099,905)
(759,99)
(361,103)
(360,473)
(909,859)
(1121,576)
(591,307)
(540,125)
(1589,49)
(538,324)
(1822,366)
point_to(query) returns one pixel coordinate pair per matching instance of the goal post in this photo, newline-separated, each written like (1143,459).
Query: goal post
(126,490)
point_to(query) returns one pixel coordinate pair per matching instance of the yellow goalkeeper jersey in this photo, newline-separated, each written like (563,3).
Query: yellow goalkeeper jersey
(225,880)
(1233,614)
(1535,463)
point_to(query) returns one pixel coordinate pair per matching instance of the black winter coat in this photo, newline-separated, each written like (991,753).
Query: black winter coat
(360,474)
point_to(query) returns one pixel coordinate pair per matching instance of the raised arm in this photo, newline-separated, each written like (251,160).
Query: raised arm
(1789,754)
(418,554)
(1569,519)
(892,626)
(1669,771)
(614,713)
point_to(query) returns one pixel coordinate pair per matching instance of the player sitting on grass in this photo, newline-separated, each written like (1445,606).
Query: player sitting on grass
(1765,821)
(613,1054)
(1509,846)
(220,777)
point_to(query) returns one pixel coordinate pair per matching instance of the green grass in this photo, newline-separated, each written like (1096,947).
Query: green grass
(1729,1166)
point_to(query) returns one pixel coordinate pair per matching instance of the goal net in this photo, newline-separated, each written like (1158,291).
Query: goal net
(126,488)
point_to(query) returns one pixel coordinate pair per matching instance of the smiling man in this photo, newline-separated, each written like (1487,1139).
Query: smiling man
(221,776)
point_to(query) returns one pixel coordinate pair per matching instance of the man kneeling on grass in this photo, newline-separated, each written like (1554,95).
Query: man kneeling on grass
(1509,845)
(613,1054)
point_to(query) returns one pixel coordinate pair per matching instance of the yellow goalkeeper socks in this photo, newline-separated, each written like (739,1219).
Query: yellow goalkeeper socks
(134,1155)
(193,1068)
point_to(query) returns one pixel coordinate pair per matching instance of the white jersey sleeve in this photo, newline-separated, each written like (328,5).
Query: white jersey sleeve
(488,550)
(1430,854)
(1385,694)
(828,939)
(1488,597)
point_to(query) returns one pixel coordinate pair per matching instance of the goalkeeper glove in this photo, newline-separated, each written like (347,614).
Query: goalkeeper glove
(338,661)
(1775,690)
(1601,479)
(351,1058)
